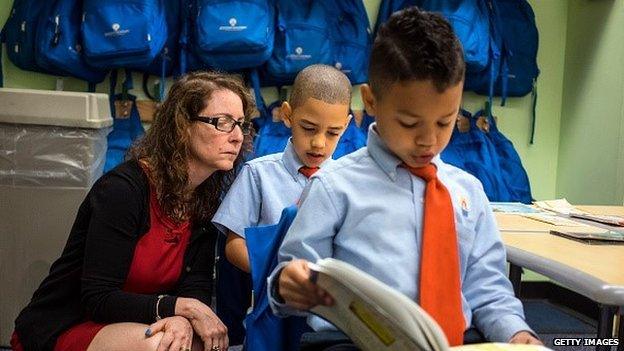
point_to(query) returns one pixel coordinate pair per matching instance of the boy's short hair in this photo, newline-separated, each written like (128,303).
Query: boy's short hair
(415,45)
(321,82)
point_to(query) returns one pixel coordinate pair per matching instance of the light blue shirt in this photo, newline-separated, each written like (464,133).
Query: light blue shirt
(262,189)
(366,210)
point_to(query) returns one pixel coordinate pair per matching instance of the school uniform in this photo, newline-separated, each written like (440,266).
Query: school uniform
(262,189)
(367,209)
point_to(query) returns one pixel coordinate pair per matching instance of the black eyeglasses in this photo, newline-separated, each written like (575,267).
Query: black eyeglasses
(225,123)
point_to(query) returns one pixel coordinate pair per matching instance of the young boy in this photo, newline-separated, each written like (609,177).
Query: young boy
(398,212)
(317,113)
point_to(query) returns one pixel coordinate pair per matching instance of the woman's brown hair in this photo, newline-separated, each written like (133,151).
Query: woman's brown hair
(165,149)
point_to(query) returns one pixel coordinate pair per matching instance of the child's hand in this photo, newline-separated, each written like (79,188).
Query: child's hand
(295,287)
(524,337)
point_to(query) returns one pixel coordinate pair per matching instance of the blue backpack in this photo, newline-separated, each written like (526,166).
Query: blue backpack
(233,293)
(123,33)
(514,41)
(469,19)
(165,63)
(20,32)
(303,38)
(126,129)
(520,40)
(59,42)
(351,140)
(273,136)
(511,167)
(232,35)
(473,152)
(352,40)
(266,331)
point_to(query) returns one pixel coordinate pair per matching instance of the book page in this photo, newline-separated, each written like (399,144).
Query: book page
(561,206)
(499,347)
(554,219)
(373,315)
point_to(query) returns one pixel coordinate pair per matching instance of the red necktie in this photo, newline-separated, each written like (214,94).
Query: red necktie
(308,171)
(440,286)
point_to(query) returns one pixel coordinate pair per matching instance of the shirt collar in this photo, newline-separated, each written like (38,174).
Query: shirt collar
(387,160)
(292,161)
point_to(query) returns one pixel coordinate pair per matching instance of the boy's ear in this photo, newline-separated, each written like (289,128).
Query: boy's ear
(368,99)
(286,114)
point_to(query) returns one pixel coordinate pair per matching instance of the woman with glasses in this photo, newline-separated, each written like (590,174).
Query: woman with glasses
(137,270)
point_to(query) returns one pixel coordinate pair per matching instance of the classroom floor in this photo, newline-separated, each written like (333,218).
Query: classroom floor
(553,321)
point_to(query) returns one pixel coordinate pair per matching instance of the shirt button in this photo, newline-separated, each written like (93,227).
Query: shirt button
(188,268)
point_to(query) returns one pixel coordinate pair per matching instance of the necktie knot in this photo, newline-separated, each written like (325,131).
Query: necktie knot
(308,171)
(427,173)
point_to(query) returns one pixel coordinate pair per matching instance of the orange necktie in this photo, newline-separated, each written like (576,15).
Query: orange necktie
(440,286)
(308,171)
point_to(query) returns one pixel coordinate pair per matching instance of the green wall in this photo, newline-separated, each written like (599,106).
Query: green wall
(591,149)
(540,159)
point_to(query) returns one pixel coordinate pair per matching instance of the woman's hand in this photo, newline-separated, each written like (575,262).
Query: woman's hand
(177,333)
(205,323)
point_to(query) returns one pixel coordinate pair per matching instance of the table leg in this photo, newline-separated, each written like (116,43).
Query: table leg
(515,276)
(605,325)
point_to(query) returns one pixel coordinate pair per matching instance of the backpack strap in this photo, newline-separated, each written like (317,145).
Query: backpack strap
(254,78)
(505,53)
(146,89)
(183,40)
(534,105)
(111,94)
(2,44)
(126,86)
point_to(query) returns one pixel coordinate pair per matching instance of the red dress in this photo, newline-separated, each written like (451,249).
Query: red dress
(156,267)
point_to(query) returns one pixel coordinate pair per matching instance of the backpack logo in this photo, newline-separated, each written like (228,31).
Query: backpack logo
(232,26)
(116,31)
(339,67)
(298,55)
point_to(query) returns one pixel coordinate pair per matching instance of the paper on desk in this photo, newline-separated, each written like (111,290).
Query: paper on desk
(553,219)
(512,207)
(561,206)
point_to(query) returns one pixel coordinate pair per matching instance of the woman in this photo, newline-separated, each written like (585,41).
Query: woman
(136,272)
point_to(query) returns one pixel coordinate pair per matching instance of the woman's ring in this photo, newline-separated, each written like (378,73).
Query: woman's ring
(216,348)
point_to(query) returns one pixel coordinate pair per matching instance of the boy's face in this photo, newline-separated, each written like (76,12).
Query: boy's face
(415,120)
(316,128)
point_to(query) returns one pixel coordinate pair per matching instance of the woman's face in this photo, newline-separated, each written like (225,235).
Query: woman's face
(212,149)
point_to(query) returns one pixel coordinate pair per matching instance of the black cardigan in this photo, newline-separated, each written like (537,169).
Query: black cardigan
(85,282)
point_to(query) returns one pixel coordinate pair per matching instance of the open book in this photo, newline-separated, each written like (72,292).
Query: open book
(378,317)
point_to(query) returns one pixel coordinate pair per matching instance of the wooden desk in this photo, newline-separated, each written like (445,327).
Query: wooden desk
(595,271)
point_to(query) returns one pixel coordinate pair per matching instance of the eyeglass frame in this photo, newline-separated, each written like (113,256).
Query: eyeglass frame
(214,121)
